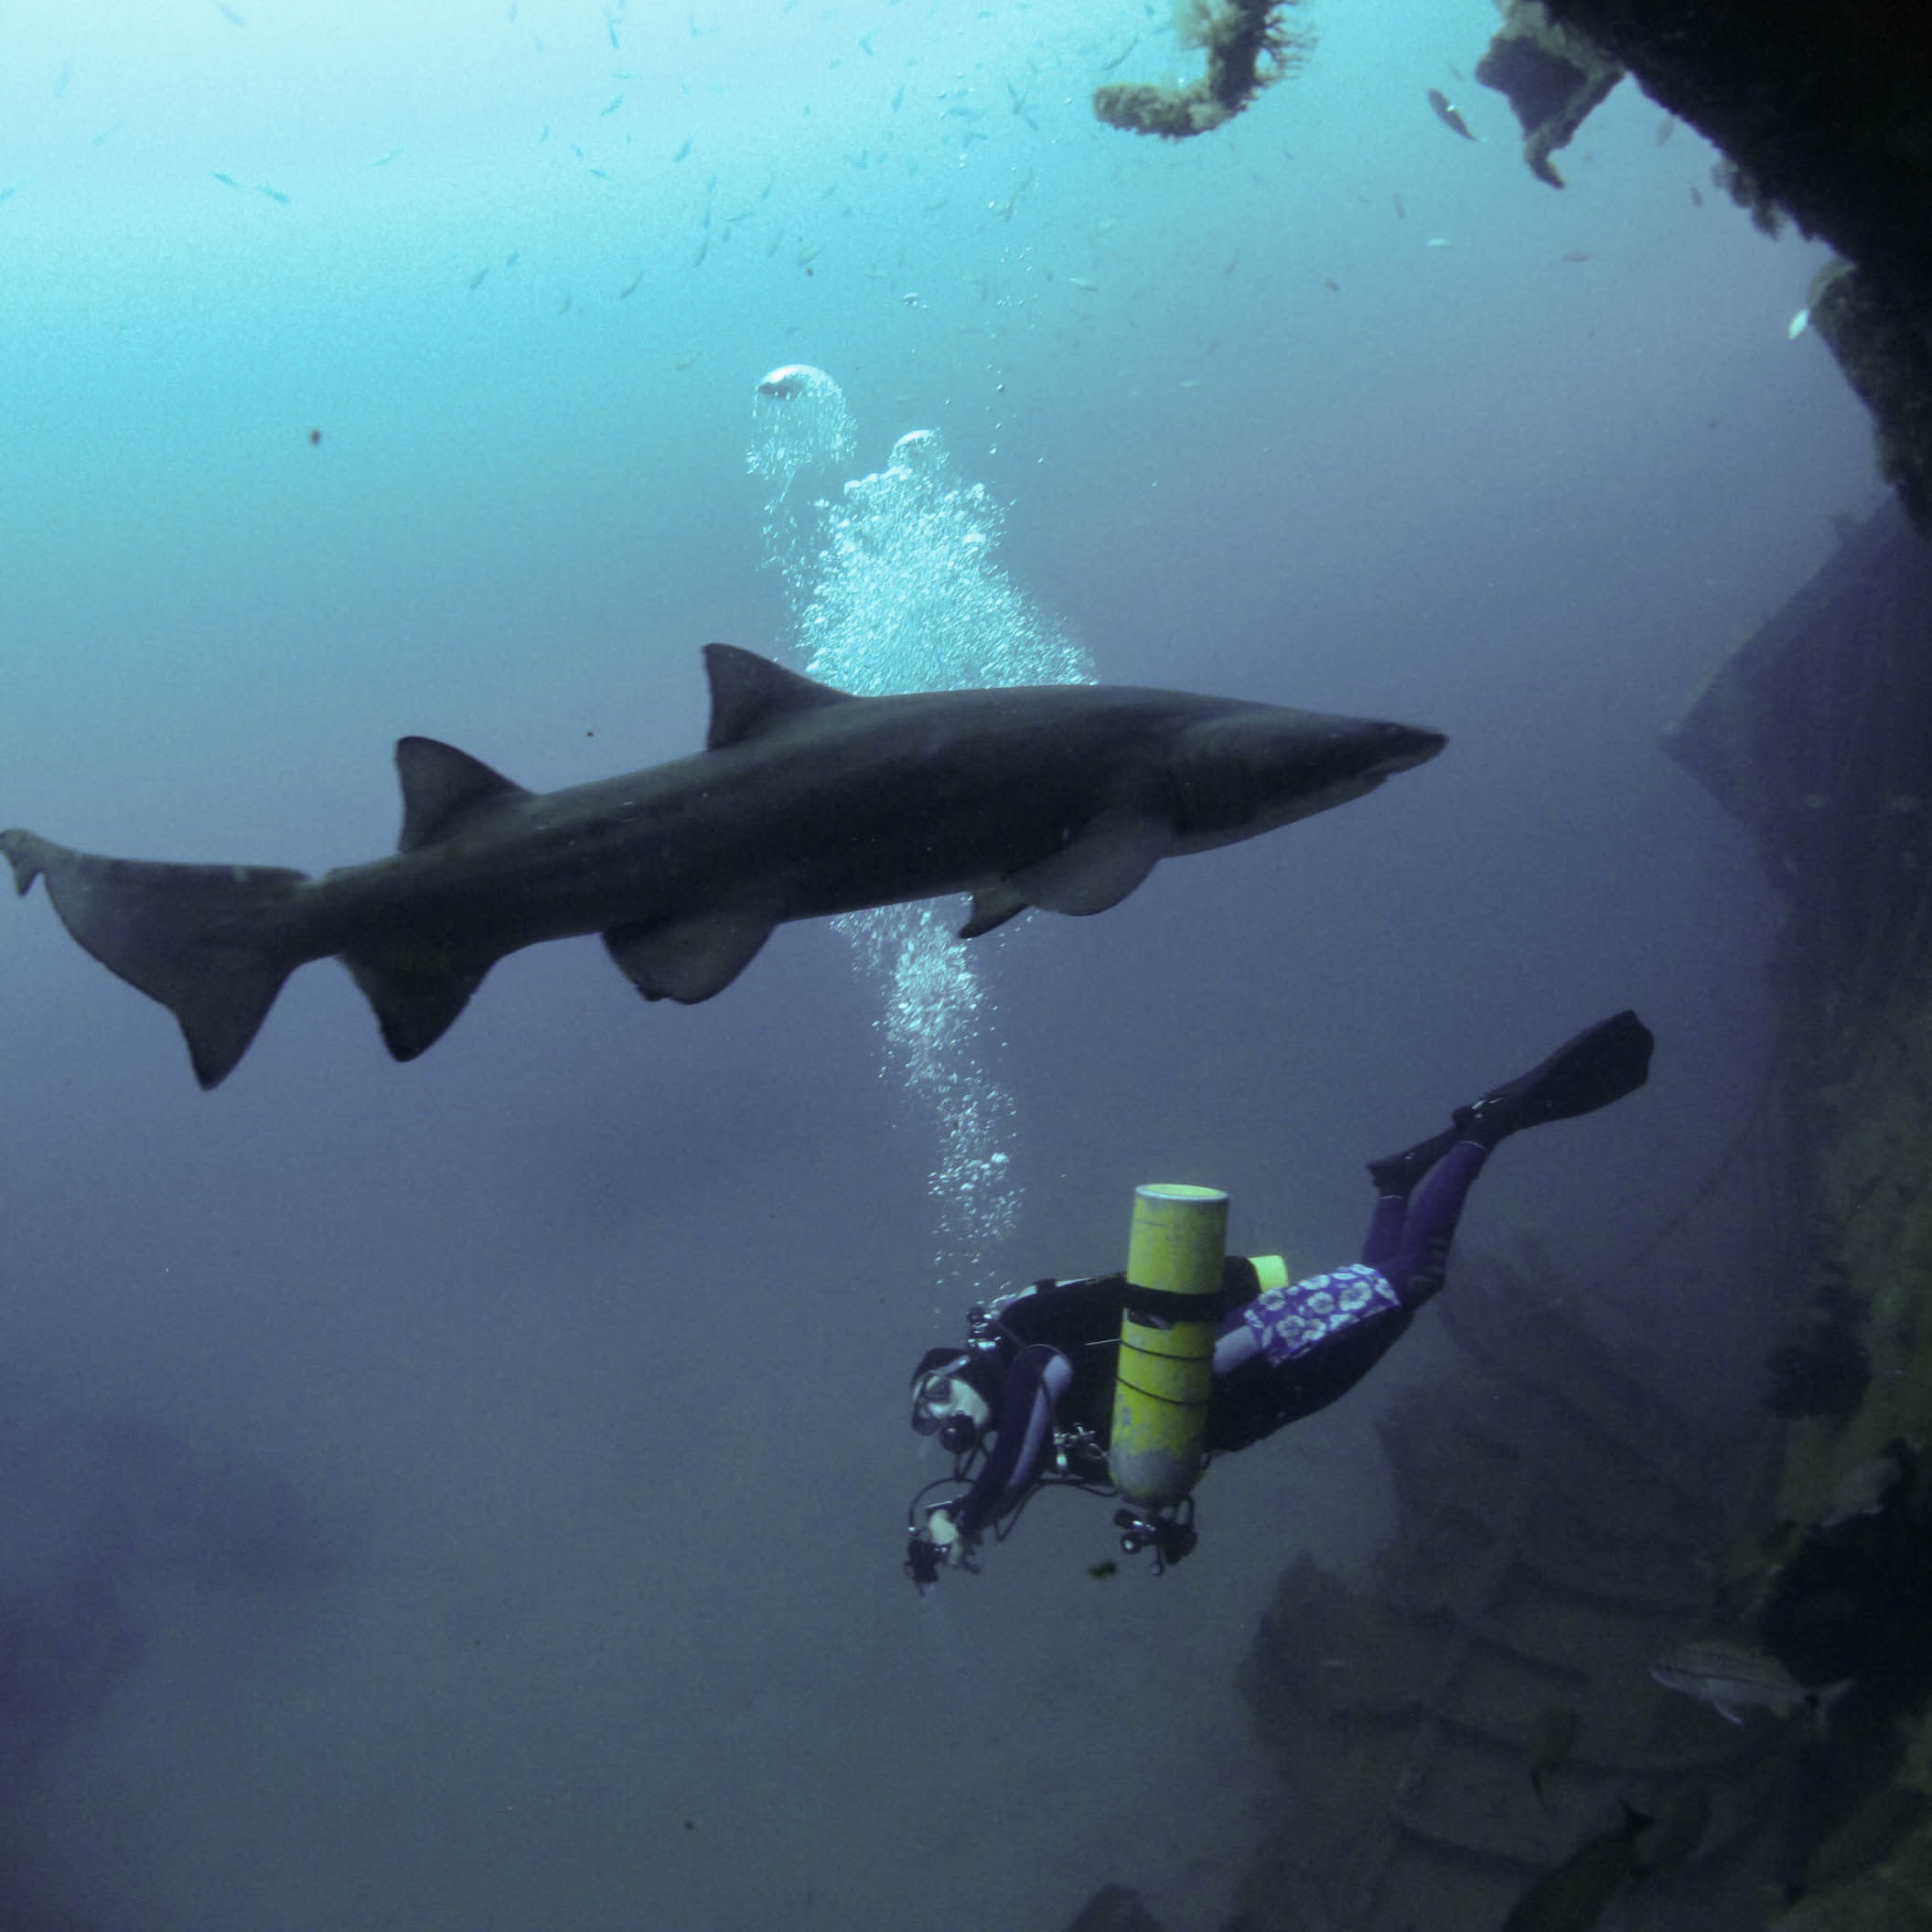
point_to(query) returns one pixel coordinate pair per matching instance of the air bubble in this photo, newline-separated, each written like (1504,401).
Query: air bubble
(896,590)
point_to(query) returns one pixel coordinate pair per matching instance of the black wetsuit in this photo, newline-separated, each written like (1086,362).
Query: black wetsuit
(1282,1352)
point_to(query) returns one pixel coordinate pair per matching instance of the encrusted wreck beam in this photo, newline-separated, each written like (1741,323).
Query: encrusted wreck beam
(1825,108)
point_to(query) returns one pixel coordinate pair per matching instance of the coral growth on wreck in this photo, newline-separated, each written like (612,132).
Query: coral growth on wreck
(1248,46)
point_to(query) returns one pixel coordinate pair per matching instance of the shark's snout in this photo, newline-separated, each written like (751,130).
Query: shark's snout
(1404,747)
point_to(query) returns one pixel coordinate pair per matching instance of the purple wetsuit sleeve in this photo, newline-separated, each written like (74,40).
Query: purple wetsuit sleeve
(1038,1378)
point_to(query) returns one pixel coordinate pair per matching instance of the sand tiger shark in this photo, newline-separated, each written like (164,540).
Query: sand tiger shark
(805,802)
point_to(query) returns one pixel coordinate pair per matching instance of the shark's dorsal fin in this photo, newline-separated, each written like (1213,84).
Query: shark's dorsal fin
(445,790)
(751,695)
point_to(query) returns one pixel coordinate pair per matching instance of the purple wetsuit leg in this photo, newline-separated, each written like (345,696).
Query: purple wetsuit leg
(1411,1248)
(1385,1229)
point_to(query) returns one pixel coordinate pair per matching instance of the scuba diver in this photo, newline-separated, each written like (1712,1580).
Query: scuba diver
(1028,1401)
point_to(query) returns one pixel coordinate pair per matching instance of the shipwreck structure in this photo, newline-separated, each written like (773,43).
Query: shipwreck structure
(1478,1709)
(1823,110)
(1480,1703)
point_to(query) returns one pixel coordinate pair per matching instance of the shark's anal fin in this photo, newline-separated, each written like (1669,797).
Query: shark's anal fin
(416,990)
(202,940)
(444,789)
(750,695)
(688,961)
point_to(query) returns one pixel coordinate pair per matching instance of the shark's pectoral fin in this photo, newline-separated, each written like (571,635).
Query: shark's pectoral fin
(416,991)
(992,905)
(1100,866)
(688,961)
(1095,869)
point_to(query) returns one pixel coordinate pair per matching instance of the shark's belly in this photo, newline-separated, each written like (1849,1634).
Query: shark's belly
(499,901)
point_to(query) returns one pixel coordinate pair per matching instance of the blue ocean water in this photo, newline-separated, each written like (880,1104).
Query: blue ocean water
(469,1494)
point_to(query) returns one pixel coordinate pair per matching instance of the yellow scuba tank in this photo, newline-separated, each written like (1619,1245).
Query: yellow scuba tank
(1165,1380)
(1165,1374)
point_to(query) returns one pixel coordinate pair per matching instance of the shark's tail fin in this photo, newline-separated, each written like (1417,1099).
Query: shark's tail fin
(200,938)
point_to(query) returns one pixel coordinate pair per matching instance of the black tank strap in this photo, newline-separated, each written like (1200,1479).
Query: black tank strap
(1240,1283)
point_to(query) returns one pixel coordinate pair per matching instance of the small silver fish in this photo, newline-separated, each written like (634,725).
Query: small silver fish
(1732,1679)
(1447,114)
(1868,1488)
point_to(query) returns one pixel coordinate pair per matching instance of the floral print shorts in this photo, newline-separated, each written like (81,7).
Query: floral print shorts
(1289,1322)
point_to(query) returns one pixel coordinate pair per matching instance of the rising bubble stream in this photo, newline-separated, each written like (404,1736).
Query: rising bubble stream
(893,587)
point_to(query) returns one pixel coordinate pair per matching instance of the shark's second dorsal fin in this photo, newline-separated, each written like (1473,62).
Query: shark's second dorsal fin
(444,789)
(751,695)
